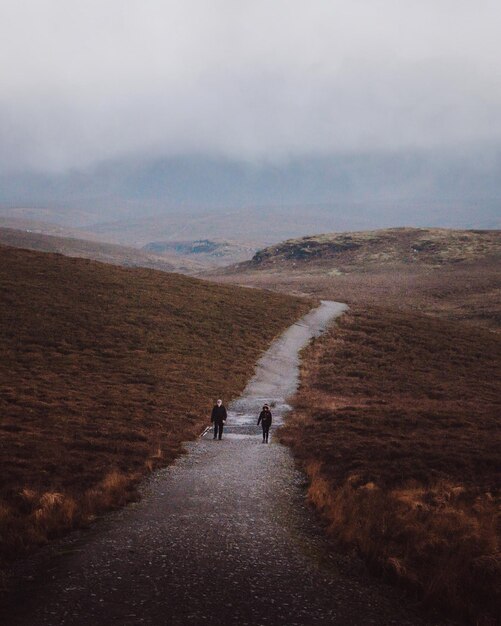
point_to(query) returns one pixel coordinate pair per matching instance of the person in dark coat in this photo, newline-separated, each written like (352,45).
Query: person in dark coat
(218,418)
(265,421)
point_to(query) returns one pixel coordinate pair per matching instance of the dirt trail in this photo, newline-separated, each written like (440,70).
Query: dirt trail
(221,537)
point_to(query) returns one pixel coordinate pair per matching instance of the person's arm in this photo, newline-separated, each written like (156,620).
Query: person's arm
(260,418)
(212,414)
(225,414)
(271,418)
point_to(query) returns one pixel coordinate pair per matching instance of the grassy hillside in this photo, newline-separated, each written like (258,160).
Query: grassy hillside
(397,425)
(453,274)
(104,372)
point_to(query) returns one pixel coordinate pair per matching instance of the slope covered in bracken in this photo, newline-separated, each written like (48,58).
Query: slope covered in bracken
(397,425)
(104,372)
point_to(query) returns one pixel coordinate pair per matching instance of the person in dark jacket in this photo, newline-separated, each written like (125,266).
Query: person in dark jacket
(265,421)
(218,418)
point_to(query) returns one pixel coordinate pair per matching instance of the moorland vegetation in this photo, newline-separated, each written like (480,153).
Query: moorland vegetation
(105,371)
(396,423)
(451,273)
(397,416)
(357,250)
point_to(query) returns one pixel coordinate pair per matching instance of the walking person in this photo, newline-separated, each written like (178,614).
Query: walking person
(218,418)
(265,419)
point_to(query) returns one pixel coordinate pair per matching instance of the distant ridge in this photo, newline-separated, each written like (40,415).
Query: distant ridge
(450,273)
(366,249)
(94,250)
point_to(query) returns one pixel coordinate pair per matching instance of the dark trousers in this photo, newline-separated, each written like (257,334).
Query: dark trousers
(218,430)
(266,431)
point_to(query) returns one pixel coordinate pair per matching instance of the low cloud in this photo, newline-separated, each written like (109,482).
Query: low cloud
(87,82)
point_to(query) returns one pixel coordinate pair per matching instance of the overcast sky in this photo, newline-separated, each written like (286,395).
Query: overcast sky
(86,81)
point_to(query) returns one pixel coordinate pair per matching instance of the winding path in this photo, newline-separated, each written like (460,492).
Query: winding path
(221,537)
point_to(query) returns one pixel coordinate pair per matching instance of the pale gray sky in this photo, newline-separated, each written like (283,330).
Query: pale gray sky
(84,81)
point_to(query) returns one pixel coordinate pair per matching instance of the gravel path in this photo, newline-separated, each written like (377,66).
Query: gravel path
(221,537)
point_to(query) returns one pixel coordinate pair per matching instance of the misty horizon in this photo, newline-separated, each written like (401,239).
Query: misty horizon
(383,113)
(345,192)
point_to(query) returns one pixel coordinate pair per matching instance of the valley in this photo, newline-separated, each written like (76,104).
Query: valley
(401,419)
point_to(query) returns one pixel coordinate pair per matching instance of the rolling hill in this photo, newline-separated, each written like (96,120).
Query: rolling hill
(369,250)
(105,371)
(186,256)
(450,273)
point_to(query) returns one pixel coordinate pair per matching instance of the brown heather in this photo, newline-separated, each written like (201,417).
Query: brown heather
(469,294)
(104,372)
(397,425)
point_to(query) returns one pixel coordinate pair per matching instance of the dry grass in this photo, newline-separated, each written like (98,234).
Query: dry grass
(397,426)
(104,373)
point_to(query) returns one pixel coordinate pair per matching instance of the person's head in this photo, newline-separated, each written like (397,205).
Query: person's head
(219,402)
(266,407)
